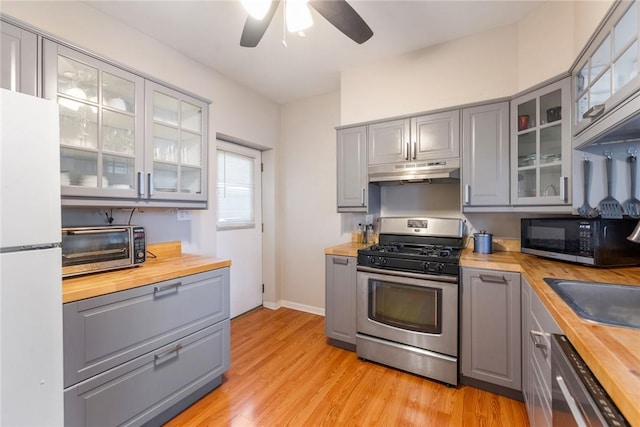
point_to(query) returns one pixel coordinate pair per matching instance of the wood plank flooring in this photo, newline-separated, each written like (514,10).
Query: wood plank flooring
(283,373)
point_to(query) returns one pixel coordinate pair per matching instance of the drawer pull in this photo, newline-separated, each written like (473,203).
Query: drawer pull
(168,352)
(342,261)
(493,278)
(175,286)
(537,337)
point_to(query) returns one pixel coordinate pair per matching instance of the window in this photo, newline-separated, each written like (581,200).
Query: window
(235,190)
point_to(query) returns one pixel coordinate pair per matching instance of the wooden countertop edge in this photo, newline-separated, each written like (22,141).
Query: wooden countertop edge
(153,271)
(616,366)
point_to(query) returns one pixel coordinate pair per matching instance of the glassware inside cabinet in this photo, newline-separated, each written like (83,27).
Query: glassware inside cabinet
(191,149)
(118,132)
(118,93)
(165,177)
(165,143)
(527,183)
(79,167)
(118,172)
(77,80)
(527,152)
(527,116)
(78,123)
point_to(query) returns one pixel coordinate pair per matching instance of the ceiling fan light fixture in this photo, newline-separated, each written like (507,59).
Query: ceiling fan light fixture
(297,15)
(256,8)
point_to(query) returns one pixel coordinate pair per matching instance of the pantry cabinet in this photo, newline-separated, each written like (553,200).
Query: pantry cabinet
(18,59)
(541,146)
(124,140)
(485,156)
(126,361)
(428,137)
(490,331)
(340,288)
(354,192)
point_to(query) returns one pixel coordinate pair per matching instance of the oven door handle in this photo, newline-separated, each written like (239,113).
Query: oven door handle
(85,254)
(423,276)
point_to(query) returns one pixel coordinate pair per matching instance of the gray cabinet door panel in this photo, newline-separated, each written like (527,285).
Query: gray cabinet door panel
(388,142)
(340,318)
(103,332)
(352,168)
(436,136)
(491,343)
(139,390)
(18,61)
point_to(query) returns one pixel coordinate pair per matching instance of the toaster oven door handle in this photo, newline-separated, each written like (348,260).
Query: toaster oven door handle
(96,231)
(94,253)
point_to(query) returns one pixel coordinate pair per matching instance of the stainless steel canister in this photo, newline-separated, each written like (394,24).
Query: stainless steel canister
(483,242)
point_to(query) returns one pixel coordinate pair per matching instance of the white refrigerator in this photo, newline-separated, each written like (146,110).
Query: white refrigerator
(31,387)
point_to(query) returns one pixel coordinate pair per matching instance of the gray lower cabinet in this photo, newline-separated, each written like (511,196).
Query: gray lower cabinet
(131,356)
(340,310)
(18,59)
(485,156)
(537,327)
(491,335)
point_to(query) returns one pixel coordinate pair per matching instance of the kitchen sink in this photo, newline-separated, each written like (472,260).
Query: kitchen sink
(607,303)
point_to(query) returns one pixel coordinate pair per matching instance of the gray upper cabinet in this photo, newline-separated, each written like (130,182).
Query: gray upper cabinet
(541,146)
(351,151)
(18,59)
(608,71)
(428,137)
(490,331)
(124,140)
(485,156)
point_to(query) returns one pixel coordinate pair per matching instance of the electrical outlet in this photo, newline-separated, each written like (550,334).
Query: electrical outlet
(184,215)
(368,219)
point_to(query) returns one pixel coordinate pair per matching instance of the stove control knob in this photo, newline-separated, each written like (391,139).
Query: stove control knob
(440,268)
(425,266)
(371,259)
(382,260)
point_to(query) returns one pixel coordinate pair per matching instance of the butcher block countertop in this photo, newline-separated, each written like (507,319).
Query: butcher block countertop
(612,353)
(170,263)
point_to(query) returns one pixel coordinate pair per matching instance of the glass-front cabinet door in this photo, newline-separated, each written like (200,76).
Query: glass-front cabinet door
(608,72)
(101,124)
(177,140)
(541,146)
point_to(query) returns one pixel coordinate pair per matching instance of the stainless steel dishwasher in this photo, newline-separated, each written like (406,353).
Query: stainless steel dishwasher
(577,398)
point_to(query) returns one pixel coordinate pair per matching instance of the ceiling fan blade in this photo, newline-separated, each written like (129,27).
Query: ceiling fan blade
(342,16)
(254,28)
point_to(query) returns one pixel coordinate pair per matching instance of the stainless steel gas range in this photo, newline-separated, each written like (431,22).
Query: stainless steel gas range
(407,296)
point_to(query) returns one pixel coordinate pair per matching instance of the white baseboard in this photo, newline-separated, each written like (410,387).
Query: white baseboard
(294,306)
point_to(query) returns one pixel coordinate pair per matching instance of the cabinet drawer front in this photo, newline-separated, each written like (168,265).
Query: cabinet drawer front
(103,332)
(144,387)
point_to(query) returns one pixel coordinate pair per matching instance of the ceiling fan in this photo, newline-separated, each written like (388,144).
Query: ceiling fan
(338,12)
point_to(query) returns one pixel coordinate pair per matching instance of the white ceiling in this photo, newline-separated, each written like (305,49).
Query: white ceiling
(209,32)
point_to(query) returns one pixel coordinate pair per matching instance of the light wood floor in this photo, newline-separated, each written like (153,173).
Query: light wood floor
(283,373)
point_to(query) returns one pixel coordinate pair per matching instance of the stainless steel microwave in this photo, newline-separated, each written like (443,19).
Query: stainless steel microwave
(92,249)
(597,242)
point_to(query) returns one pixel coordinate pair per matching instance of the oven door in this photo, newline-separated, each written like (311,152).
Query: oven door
(408,309)
(89,249)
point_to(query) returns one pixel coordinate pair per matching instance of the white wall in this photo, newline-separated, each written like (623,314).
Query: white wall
(307,217)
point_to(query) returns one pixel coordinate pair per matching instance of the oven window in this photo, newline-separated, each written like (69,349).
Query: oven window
(93,246)
(413,308)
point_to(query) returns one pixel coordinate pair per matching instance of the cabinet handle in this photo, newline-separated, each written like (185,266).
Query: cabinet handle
(140,184)
(363,196)
(467,194)
(535,335)
(415,150)
(150,184)
(493,278)
(593,112)
(571,402)
(168,352)
(407,154)
(342,261)
(564,180)
(175,285)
